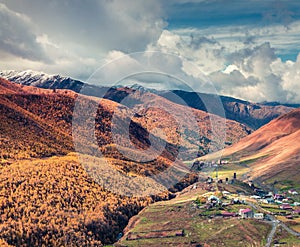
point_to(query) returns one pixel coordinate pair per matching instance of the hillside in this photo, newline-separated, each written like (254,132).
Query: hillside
(25,134)
(272,152)
(58,106)
(253,115)
(178,122)
(180,222)
(54,202)
(47,197)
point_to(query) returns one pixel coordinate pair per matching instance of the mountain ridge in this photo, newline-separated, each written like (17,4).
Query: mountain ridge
(254,115)
(271,152)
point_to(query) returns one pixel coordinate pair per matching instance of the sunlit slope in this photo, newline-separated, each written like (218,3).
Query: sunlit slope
(273,151)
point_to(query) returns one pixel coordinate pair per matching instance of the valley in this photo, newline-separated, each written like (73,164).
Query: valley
(49,198)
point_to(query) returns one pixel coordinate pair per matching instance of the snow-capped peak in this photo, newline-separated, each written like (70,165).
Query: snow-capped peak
(28,77)
(40,79)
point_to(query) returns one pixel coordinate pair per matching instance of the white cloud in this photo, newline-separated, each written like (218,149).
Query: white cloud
(76,35)
(75,38)
(96,26)
(202,51)
(244,70)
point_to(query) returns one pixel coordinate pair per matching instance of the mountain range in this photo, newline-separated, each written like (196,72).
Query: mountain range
(253,115)
(49,198)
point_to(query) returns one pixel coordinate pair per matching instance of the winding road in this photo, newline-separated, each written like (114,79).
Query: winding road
(275,224)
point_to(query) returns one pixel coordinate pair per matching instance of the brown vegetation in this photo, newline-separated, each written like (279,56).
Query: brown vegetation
(272,152)
(53,201)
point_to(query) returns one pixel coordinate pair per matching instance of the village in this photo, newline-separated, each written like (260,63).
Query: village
(206,209)
(266,202)
(279,209)
(217,206)
(258,205)
(286,203)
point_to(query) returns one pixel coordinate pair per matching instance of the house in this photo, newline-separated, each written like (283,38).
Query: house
(293,192)
(246,213)
(268,200)
(213,200)
(278,197)
(259,192)
(258,216)
(255,197)
(285,206)
(224,192)
(236,201)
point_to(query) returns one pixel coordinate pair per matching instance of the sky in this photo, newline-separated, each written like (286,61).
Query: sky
(247,49)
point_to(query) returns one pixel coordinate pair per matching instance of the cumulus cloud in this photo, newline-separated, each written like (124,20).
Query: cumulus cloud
(250,71)
(242,58)
(204,52)
(76,35)
(96,25)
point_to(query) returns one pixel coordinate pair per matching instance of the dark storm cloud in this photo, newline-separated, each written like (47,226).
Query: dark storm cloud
(96,25)
(16,37)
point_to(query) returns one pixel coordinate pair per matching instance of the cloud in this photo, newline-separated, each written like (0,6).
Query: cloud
(243,47)
(249,71)
(202,51)
(77,35)
(16,37)
(95,25)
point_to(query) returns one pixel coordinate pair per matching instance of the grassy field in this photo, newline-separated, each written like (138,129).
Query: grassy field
(227,171)
(183,215)
(292,223)
(287,239)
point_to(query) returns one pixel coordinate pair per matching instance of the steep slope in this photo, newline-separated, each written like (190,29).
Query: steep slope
(58,107)
(54,201)
(38,123)
(24,134)
(253,115)
(196,136)
(273,151)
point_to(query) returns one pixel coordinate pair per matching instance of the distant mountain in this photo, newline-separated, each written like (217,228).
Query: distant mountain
(272,152)
(253,115)
(41,80)
(277,103)
(48,115)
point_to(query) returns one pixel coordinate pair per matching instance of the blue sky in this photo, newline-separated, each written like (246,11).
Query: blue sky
(248,14)
(248,49)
